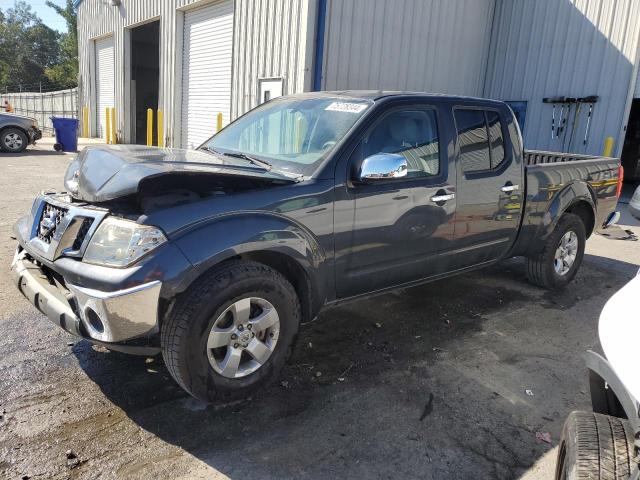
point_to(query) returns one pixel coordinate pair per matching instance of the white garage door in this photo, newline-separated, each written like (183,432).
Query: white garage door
(206,71)
(105,91)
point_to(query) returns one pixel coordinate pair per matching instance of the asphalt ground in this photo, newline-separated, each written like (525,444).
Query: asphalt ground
(469,377)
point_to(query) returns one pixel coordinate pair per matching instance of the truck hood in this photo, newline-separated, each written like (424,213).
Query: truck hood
(16,116)
(104,173)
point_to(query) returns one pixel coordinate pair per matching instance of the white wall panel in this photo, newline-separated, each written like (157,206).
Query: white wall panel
(419,45)
(572,48)
(273,39)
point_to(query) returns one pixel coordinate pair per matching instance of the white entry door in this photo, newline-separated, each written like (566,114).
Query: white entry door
(206,71)
(105,90)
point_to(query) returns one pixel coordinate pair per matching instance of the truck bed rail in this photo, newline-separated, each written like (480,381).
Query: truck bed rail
(537,157)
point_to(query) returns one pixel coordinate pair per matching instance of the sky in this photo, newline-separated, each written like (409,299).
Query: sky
(48,16)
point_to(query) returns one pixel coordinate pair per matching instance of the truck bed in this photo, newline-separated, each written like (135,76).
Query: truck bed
(547,176)
(537,157)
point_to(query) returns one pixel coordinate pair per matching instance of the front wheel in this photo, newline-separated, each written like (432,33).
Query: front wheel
(13,140)
(558,262)
(594,446)
(230,334)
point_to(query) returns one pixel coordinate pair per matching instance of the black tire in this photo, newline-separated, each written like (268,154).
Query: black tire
(185,331)
(595,446)
(8,137)
(540,268)
(57,147)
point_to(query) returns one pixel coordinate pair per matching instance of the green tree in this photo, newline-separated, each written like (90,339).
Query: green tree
(31,53)
(65,73)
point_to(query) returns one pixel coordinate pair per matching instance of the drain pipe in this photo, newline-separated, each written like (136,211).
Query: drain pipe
(319,53)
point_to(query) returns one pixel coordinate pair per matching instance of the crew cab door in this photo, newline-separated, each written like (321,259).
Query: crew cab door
(390,231)
(490,185)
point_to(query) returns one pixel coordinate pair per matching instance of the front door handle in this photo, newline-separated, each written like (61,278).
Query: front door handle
(510,188)
(443,198)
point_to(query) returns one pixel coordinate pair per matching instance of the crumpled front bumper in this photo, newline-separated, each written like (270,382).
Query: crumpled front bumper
(35,134)
(103,317)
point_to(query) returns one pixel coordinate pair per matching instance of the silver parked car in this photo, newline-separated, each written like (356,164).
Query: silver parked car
(17,131)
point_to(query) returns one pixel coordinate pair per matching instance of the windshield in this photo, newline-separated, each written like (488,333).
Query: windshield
(292,133)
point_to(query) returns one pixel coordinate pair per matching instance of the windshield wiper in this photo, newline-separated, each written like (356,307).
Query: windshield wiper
(261,163)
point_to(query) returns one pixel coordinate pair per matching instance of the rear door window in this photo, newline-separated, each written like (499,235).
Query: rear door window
(473,140)
(496,138)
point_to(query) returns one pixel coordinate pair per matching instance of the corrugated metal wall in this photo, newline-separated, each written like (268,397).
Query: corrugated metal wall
(270,40)
(273,39)
(573,48)
(419,45)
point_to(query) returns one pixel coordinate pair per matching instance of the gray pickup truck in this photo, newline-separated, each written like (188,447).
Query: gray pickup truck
(17,132)
(214,257)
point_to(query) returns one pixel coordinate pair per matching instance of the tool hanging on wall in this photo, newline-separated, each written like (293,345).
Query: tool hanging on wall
(574,124)
(590,100)
(554,101)
(568,103)
(559,128)
(560,121)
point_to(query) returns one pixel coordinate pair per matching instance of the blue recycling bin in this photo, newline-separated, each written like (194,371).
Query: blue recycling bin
(66,134)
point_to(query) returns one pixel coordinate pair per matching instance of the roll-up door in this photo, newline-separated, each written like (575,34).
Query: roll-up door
(105,91)
(206,71)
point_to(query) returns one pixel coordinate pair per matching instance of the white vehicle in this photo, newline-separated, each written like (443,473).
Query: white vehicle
(605,444)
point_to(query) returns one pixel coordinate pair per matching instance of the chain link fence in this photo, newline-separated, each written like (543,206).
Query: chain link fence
(42,106)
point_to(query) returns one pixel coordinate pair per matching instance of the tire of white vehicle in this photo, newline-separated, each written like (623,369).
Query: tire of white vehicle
(594,446)
(13,140)
(558,262)
(242,314)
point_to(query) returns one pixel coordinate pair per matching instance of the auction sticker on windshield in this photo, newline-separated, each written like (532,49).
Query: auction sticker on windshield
(346,107)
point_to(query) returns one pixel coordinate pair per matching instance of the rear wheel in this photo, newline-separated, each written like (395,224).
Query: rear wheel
(558,262)
(231,333)
(594,446)
(13,140)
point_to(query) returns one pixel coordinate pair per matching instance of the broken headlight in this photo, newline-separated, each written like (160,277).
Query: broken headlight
(71,177)
(119,243)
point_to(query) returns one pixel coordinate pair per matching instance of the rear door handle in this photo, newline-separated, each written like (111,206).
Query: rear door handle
(443,198)
(510,188)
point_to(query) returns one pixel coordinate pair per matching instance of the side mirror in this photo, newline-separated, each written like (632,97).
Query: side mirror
(382,166)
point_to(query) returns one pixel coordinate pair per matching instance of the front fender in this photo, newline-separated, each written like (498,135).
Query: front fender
(606,377)
(232,235)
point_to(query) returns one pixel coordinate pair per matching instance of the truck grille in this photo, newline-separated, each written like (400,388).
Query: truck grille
(82,233)
(49,221)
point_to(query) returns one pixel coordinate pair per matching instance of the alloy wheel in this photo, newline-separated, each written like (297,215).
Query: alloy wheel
(243,337)
(566,253)
(13,141)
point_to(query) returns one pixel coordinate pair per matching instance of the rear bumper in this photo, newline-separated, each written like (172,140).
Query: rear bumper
(109,318)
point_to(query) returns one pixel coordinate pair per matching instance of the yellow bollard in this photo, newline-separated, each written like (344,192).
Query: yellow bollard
(85,122)
(108,126)
(114,138)
(149,127)
(219,122)
(160,129)
(608,147)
